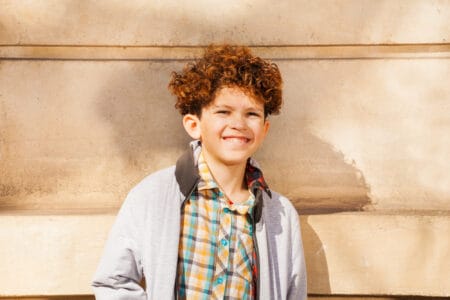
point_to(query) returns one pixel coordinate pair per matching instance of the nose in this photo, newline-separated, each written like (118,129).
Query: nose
(238,122)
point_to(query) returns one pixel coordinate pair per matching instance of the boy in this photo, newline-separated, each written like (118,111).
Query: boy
(209,227)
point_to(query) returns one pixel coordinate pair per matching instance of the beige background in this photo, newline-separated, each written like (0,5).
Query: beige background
(361,147)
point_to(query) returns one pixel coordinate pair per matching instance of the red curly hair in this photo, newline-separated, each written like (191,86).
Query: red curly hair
(226,66)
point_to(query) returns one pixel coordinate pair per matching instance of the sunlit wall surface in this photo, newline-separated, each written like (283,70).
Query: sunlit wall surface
(361,147)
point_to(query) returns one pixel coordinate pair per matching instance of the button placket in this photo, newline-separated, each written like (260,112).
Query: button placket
(223,248)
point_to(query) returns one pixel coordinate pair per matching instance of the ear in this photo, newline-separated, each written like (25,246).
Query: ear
(191,124)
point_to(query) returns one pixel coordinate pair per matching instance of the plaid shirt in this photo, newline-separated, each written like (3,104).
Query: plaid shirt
(216,254)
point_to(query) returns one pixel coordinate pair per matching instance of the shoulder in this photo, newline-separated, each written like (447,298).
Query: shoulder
(153,186)
(155,180)
(279,211)
(279,202)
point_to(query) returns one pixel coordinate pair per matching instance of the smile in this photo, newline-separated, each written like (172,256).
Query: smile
(237,139)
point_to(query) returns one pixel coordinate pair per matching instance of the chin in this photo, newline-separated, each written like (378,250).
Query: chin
(231,161)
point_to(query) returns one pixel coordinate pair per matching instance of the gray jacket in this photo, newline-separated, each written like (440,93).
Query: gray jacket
(144,240)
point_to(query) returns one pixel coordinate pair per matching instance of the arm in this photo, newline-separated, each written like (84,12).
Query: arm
(120,272)
(297,286)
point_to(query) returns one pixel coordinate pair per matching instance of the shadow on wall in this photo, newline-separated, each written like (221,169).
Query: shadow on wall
(310,172)
(317,179)
(316,260)
(146,127)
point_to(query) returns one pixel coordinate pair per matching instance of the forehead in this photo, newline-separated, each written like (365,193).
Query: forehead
(235,96)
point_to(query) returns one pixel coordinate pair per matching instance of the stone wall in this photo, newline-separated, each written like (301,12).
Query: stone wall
(361,146)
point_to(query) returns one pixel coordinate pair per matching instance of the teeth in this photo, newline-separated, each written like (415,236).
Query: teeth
(237,139)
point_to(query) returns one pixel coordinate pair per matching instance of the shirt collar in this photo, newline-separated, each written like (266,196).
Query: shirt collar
(255,178)
(207,181)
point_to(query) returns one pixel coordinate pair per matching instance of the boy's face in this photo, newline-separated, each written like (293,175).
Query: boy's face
(231,128)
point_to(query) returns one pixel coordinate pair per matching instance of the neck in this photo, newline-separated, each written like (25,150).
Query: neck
(230,179)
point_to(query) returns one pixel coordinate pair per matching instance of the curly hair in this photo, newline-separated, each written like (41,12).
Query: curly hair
(226,66)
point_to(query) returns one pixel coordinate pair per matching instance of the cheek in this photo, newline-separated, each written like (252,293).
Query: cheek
(216,127)
(211,130)
(258,129)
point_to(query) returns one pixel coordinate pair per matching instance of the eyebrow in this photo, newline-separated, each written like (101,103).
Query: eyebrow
(231,107)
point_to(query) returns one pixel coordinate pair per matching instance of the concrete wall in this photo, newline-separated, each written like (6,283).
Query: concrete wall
(361,146)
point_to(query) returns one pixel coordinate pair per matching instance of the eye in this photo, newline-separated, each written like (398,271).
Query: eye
(223,112)
(254,114)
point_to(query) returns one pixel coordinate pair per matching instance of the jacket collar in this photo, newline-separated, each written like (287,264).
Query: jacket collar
(186,171)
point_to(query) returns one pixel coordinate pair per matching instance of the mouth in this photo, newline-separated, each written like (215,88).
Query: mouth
(236,139)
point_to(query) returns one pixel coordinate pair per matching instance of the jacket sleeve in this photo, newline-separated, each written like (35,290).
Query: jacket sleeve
(297,287)
(119,273)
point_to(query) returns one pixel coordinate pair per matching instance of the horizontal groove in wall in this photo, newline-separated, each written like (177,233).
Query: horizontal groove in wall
(96,211)
(371,297)
(59,297)
(310,297)
(43,52)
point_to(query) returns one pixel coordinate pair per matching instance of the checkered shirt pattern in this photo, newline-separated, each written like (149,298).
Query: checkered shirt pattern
(216,253)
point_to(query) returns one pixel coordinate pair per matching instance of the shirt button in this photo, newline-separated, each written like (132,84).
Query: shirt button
(224,242)
(219,280)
